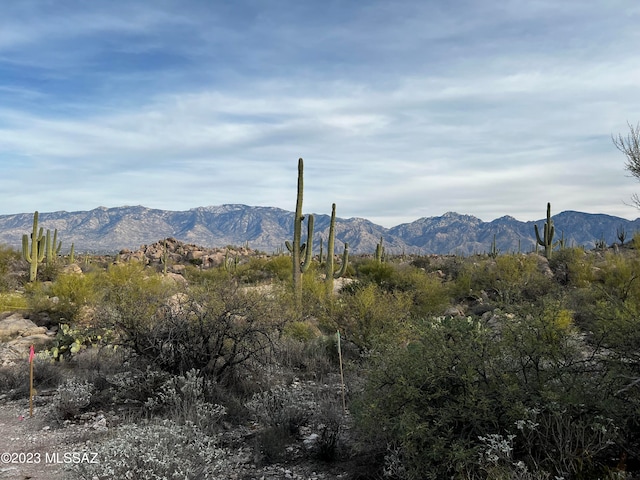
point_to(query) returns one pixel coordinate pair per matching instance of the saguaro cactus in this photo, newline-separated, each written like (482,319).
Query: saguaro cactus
(298,249)
(33,254)
(330,274)
(546,240)
(380,252)
(495,251)
(52,250)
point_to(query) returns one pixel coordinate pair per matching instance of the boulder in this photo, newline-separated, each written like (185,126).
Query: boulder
(17,334)
(16,325)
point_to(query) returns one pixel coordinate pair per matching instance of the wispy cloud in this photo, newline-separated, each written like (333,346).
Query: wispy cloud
(400,109)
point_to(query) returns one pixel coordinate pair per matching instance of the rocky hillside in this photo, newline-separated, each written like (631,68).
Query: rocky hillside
(110,230)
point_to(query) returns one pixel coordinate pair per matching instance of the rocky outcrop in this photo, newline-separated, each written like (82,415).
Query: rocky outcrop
(17,334)
(178,254)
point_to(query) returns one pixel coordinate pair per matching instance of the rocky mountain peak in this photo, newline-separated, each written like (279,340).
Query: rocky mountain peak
(109,230)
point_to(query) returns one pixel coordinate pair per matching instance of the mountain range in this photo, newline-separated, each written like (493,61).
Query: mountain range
(109,230)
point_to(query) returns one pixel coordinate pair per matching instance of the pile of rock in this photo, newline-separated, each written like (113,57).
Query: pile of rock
(178,254)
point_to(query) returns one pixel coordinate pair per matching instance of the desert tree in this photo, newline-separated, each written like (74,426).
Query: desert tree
(630,146)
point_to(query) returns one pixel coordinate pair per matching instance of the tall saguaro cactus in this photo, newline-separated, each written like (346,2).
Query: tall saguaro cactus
(330,274)
(33,254)
(298,249)
(546,240)
(52,248)
(380,252)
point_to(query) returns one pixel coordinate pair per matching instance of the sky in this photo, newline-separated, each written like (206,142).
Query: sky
(401,109)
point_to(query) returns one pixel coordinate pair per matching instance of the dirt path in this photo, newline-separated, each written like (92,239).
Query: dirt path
(30,449)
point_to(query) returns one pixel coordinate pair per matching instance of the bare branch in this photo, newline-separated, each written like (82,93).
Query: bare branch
(630,146)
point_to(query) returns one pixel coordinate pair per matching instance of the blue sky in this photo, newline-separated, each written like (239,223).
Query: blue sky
(401,109)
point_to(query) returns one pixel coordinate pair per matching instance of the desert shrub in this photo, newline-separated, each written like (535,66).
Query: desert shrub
(131,287)
(73,292)
(46,372)
(280,267)
(70,399)
(48,272)
(517,278)
(15,381)
(301,330)
(12,301)
(460,380)
(155,450)
(618,276)
(135,386)
(371,315)
(183,399)
(261,269)
(10,268)
(215,330)
(572,266)
(422,262)
(429,294)
(469,277)
(613,325)
(131,300)
(210,276)
(508,279)
(382,274)
(38,298)
(330,422)
(307,358)
(284,407)
(284,410)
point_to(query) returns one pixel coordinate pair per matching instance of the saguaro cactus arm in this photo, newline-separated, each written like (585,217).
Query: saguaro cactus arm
(52,248)
(307,248)
(345,262)
(33,253)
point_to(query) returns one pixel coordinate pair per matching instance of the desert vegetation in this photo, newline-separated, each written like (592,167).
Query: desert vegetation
(492,366)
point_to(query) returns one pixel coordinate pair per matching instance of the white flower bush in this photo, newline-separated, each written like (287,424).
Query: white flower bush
(289,406)
(70,398)
(183,398)
(156,451)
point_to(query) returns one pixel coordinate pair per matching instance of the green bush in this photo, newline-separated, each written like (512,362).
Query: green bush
(131,298)
(12,301)
(459,380)
(572,267)
(280,267)
(12,268)
(213,329)
(74,294)
(371,316)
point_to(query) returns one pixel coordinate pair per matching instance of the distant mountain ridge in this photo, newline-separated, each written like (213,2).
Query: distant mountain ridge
(104,230)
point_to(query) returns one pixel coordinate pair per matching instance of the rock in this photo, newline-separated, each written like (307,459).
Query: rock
(178,269)
(454,311)
(15,325)
(41,342)
(74,268)
(34,331)
(17,334)
(311,441)
(100,424)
